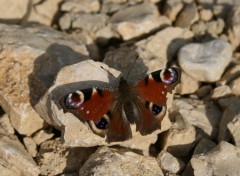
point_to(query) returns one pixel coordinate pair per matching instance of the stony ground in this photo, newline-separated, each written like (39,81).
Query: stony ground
(200,134)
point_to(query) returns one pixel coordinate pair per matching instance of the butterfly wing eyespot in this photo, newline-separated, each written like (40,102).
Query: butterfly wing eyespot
(152,93)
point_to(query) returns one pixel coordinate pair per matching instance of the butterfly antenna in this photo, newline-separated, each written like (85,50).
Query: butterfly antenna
(109,73)
(131,67)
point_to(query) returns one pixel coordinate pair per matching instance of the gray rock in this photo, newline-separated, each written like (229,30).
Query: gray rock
(166,42)
(81,6)
(188,16)
(119,163)
(207,61)
(222,160)
(16,157)
(233,128)
(204,91)
(137,20)
(30,59)
(169,164)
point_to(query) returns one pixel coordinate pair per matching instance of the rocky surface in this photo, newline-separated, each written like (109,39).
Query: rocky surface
(49,48)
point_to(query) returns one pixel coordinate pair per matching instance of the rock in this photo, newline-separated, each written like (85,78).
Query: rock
(221,91)
(54,158)
(31,146)
(178,141)
(230,75)
(169,164)
(8,169)
(6,127)
(170,40)
(75,133)
(215,27)
(44,12)
(199,28)
(203,147)
(231,106)
(110,7)
(137,20)
(12,10)
(119,163)
(234,25)
(206,14)
(30,59)
(188,85)
(41,136)
(188,16)
(65,22)
(204,117)
(222,160)
(207,61)
(204,91)
(81,6)
(172,8)
(235,86)
(233,128)
(15,156)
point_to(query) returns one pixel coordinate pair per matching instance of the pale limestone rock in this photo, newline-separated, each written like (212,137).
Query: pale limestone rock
(11,9)
(199,28)
(204,116)
(31,146)
(6,127)
(44,12)
(235,86)
(180,140)
(41,136)
(203,146)
(234,25)
(221,91)
(231,106)
(169,164)
(187,16)
(30,59)
(76,6)
(89,22)
(233,128)
(75,133)
(215,27)
(9,169)
(172,8)
(166,42)
(137,20)
(54,158)
(206,14)
(188,85)
(13,153)
(230,75)
(207,61)
(222,160)
(111,162)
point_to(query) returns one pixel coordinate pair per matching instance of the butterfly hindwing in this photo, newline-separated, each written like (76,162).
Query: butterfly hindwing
(152,91)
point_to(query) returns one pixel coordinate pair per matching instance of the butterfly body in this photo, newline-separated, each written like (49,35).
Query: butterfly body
(110,111)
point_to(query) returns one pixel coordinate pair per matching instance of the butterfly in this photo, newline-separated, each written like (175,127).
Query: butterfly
(110,111)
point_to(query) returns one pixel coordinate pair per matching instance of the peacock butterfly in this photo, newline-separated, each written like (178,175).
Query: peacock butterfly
(110,111)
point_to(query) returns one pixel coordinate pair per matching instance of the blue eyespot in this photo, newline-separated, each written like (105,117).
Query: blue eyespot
(102,124)
(156,109)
